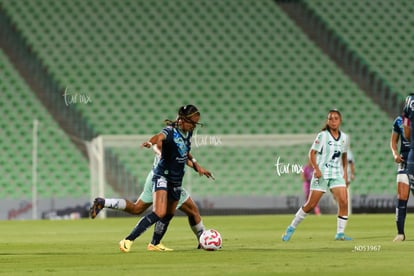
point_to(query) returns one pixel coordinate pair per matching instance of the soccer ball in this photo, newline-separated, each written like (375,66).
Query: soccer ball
(210,240)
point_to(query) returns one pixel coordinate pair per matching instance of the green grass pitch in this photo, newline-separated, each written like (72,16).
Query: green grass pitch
(251,246)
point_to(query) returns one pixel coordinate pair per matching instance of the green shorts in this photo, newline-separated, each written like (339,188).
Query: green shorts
(146,195)
(321,184)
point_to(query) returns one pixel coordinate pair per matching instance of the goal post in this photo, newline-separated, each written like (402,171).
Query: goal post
(100,165)
(248,161)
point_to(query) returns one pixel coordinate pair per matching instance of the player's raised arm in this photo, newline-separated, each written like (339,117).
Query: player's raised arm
(154,140)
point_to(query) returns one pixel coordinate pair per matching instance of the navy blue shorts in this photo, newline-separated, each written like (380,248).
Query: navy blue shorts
(173,189)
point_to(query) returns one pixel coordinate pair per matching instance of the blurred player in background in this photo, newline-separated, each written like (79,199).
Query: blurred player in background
(185,204)
(328,157)
(168,175)
(306,178)
(351,177)
(405,160)
(351,166)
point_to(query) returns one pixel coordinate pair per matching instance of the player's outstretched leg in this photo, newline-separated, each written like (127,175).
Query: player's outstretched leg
(299,216)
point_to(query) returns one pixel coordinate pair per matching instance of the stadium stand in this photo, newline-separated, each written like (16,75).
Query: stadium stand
(380,32)
(245,64)
(62,171)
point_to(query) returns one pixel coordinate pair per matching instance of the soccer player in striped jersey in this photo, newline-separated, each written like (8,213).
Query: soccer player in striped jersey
(403,190)
(328,157)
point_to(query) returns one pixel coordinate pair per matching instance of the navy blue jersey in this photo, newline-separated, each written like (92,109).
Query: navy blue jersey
(174,155)
(408,112)
(398,128)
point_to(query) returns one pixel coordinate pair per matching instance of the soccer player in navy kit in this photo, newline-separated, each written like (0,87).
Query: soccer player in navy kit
(403,191)
(185,204)
(168,176)
(408,117)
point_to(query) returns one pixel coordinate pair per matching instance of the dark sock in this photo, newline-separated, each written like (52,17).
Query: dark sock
(191,220)
(160,229)
(142,226)
(401,212)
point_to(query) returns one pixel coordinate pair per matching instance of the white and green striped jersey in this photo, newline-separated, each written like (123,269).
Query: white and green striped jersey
(329,153)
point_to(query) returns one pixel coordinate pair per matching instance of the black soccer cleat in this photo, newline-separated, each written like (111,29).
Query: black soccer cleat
(97,206)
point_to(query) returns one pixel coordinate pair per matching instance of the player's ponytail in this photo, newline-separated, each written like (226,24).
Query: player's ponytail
(169,122)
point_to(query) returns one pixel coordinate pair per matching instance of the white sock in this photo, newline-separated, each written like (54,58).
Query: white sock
(198,229)
(115,203)
(341,224)
(299,216)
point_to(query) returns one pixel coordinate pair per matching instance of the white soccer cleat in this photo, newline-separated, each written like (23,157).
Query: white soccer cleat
(399,238)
